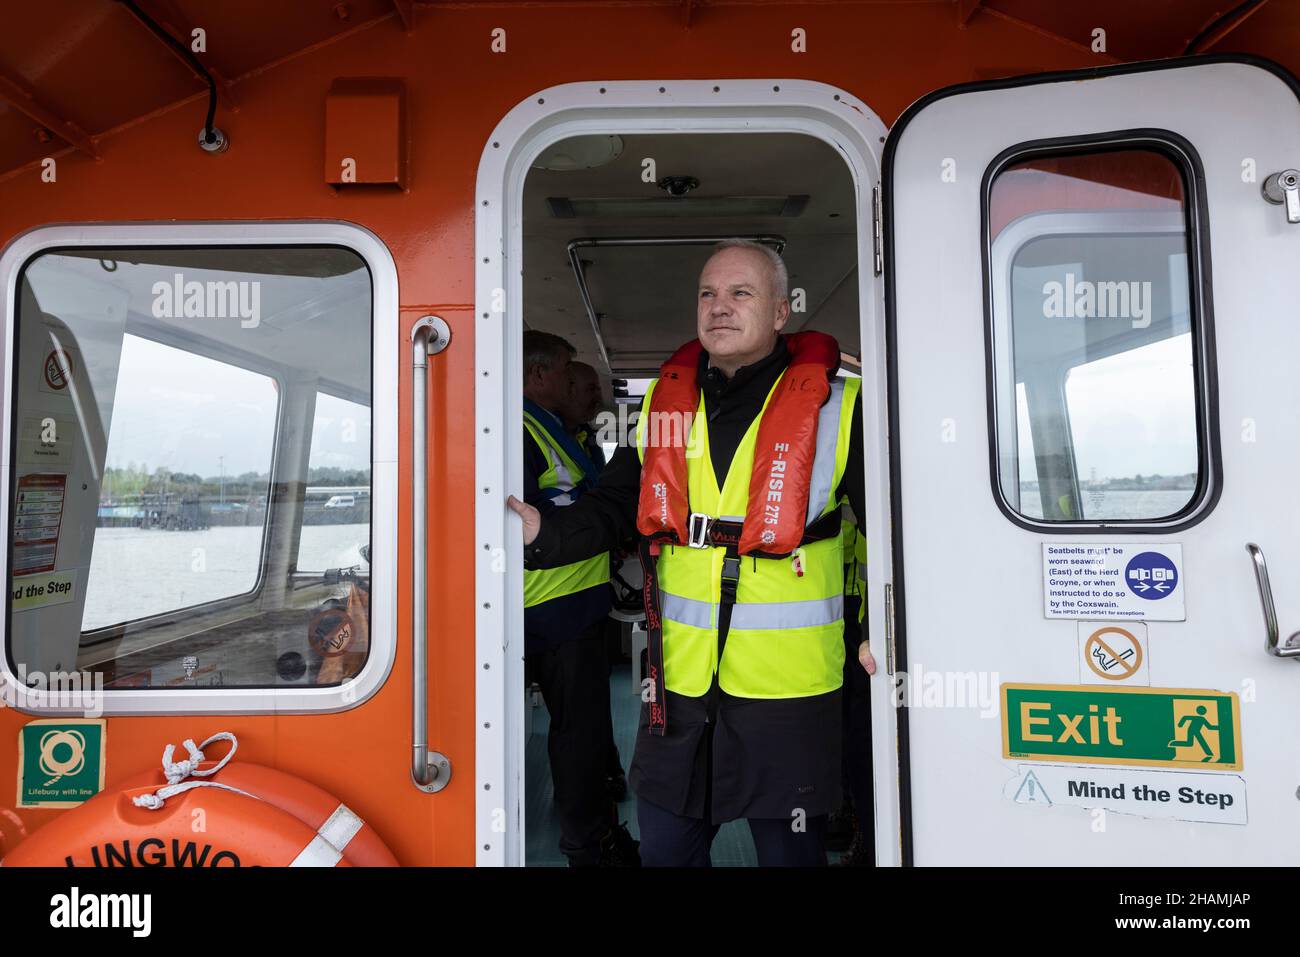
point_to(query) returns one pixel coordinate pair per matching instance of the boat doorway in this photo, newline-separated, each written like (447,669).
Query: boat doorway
(616,228)
(745,141)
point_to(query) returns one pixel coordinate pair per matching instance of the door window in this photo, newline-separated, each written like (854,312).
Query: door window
(1097,391)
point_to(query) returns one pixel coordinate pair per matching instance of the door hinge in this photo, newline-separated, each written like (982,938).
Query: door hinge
(1283,189)
(877,234)
(889,630)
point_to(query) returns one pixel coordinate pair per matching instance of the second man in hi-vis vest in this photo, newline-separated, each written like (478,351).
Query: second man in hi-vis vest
(745,446)
(565,609)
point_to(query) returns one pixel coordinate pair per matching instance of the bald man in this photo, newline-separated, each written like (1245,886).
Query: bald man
(742,711)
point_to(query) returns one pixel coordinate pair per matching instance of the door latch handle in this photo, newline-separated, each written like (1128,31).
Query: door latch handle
(1292,648)
(1283,189)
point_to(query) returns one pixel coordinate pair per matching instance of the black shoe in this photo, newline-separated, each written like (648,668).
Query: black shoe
(619,849)
(856,855)
(616,787)
(839,830)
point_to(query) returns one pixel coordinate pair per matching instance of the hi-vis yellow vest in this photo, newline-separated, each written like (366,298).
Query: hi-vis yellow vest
(855,563)
(562,473)
(786,638)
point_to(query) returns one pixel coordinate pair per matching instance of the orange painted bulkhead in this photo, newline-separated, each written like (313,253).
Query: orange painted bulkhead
(456,91)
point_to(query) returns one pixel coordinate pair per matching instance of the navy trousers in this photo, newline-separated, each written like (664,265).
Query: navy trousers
(574,677)
(857,717)
(670,840)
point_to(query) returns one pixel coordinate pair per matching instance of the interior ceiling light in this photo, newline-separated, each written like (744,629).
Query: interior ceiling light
(581,152)
(678,185)
(562,207)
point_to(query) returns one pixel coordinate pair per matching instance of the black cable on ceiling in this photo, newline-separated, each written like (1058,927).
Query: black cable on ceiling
(1240,10)
(208,135)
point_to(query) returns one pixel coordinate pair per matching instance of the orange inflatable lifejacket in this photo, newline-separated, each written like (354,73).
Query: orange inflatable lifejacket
(250,815)
(788,427)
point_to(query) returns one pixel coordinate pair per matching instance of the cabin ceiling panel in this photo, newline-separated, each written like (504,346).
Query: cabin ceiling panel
(92,63)
(1154,28)
(100,68)
(647,293)
(18,142)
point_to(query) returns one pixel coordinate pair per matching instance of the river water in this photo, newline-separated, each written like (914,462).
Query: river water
(138,572)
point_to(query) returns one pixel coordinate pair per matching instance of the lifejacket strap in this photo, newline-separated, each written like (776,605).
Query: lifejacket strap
(658,717)
(730,576)
(722,533)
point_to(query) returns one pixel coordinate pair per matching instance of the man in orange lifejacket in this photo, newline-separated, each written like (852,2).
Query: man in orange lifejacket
(749,729)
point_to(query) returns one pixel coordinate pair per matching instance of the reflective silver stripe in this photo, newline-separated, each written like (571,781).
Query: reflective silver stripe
(341,827)
(563,478)
(687,611)
(754,616)
(774,615)
(731,518)
(862,571)
(319,853)
(828,435)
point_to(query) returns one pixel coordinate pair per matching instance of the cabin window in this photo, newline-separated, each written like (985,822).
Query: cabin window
(158,476)
(190,497)
(1097,384)
(338,486)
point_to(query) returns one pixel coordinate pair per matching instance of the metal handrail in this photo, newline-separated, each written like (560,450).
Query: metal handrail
(430,771)
(1292,648)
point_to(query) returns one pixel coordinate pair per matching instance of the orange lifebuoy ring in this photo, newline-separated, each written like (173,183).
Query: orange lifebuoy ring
(267,818)
(111,831)
(315,807)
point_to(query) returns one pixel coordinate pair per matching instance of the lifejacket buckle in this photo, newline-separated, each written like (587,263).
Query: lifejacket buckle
(730,577)
(697,530)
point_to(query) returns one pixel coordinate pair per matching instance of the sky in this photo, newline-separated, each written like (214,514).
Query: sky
(194,414)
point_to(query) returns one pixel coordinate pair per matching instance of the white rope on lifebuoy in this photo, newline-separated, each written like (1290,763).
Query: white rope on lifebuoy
(177,771)
(324,850)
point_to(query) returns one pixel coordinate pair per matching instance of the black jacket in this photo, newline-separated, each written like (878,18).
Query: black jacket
(722,757)
(569,616)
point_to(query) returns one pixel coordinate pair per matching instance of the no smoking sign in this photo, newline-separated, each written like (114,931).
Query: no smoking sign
(57,370)
(1113,653)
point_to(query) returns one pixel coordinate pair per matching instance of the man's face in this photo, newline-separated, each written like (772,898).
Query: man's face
(738,314)
(584,394)
(550,384)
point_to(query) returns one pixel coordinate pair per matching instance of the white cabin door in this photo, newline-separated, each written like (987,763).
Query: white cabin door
(1094,327)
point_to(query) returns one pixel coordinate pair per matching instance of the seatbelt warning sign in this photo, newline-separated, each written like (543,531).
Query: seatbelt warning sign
(38,513)
(1133,581)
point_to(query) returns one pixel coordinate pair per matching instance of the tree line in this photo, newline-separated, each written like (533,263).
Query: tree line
(134,480)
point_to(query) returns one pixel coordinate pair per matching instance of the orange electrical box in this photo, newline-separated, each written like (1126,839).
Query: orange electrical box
(365,131)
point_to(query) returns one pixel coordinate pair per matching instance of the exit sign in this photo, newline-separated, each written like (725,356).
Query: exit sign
(1165,727)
